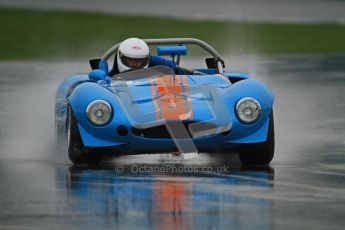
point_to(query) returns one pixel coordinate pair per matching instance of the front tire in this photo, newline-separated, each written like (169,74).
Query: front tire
(77,152)
(260,153)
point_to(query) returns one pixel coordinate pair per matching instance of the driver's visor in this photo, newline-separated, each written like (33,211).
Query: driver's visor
(134,63)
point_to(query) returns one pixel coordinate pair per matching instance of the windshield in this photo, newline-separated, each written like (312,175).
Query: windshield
(153,72)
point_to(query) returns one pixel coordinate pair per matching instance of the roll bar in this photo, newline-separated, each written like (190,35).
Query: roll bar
(174,41)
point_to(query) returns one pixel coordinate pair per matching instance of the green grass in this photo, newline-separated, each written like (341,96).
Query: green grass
(38,34)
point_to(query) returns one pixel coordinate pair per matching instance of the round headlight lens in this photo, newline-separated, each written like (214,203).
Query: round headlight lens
(99,112)
(248,110)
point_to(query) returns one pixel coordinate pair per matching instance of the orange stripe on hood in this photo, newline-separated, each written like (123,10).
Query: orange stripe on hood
(189,103)
(153,92)
(171,100)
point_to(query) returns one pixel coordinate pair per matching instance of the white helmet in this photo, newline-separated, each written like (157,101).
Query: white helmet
(133,53)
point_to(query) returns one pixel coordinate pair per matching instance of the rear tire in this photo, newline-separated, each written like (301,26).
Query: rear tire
(260,153)
(77,152)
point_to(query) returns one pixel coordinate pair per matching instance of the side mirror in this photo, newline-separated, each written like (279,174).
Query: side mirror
(211,63)
(97,75)
(94,63)
(99,64)
(171,50)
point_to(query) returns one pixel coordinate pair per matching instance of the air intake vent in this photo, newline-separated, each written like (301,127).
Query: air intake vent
(179,130)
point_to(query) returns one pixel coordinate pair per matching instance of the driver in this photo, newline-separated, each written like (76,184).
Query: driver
(133,53)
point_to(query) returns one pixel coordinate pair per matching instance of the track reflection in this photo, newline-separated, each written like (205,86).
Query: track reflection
(172,200)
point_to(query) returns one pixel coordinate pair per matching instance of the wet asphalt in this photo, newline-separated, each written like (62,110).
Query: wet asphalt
(303,188)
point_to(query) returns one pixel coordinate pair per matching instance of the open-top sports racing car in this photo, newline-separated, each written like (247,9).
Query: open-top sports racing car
(165,108)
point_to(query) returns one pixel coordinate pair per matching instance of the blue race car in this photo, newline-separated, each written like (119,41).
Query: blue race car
(165,108)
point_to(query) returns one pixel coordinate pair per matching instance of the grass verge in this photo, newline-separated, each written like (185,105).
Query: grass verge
(40,34)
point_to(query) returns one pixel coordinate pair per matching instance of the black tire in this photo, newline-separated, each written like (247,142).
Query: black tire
(77,152)
(260,153)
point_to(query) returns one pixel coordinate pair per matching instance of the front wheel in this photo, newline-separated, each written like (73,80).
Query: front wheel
(77,152)
(260,153)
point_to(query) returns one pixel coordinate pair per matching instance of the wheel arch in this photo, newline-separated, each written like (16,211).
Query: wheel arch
(249,133)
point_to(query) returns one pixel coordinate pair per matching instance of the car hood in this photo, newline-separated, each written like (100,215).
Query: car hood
(169,97)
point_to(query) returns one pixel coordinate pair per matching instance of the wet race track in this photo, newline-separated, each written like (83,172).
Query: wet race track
(303,188)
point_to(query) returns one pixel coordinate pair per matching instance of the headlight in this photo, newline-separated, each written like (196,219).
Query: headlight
(99,112)
(248,110)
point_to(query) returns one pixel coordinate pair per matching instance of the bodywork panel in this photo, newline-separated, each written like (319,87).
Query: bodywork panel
(203,104)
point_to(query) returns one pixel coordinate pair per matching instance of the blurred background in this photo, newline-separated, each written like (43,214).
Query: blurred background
(297,48)
(41,29)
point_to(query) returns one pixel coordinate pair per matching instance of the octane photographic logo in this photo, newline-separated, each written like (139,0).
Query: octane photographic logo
(172,100)
(171,168)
